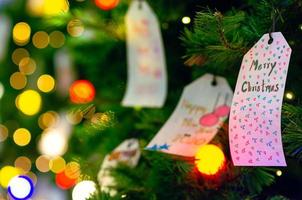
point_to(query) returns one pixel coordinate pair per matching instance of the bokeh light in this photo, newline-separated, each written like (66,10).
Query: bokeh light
(47,7)
(7,173)
(3,133)
(106,4)
(279,172)
(21,188)
(29,102)
(209,159)
(75,28)
(46,83)
(83,190)
(57,164)
(53,143)
(22,136)
(23,163)
(40,39)
(18,80)
(56,39)
(186,20)
(42,163)
(73,170)
(33,177)
(21,33)
(64,182)
(19,54)
(27,65)
(48,119)
(1,90)
(82,91)
(289,95)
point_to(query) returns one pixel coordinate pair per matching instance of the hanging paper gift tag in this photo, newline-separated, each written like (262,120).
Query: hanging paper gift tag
(255,119)
(127,153)
(65,74)
(147,79)
(196,120)
(5,26)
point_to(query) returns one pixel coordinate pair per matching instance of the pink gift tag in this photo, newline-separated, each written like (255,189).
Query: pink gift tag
(196,119)
(255,119)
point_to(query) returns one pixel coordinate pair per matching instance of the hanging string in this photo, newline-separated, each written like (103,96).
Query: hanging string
(214,81)
(273,27)
(140,4)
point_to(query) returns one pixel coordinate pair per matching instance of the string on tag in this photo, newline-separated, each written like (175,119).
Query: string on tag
(214,81)
(273,27)
(140,4)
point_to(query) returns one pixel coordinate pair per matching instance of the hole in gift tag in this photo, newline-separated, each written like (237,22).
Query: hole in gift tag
(271,39)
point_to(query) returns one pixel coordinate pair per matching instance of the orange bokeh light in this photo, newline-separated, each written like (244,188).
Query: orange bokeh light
(64,182)
(209,159)
(106,4)
(82,91)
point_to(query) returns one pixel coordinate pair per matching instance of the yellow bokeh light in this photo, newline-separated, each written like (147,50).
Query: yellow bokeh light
(40,39)
(19,54)
(73,170)
(21,33)
(3,133)
(42,163)
(57,164)
(279,173)
(209,159)
(48,119)
(18,80)
(27,65)
(55,7)
(46,83)
(29,102)
(289,95)
(47,7)
(22,136)
(7,173)
(75,28)
(56,39)
(23,163)
(186,20)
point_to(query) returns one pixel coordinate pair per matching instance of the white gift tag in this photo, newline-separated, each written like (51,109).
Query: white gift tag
(255,119)
(196,120)
(127,153)
(65,74)
(147,79)
(5,26)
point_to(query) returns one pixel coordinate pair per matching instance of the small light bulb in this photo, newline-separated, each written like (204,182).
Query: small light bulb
(186,20)
(278,172)
(289,95)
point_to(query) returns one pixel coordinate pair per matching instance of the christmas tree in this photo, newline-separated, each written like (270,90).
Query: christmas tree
(63,75)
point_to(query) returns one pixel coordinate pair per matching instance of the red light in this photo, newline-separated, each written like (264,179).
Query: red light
(106,4)
(82,91)
(64,182)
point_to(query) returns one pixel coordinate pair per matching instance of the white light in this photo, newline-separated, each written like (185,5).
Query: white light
(83,190)
(186,20)
(1,90)
(279,173)
(53,143)
(20,187)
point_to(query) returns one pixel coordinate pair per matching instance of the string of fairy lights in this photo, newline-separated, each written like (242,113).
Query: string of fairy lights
(56,127)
